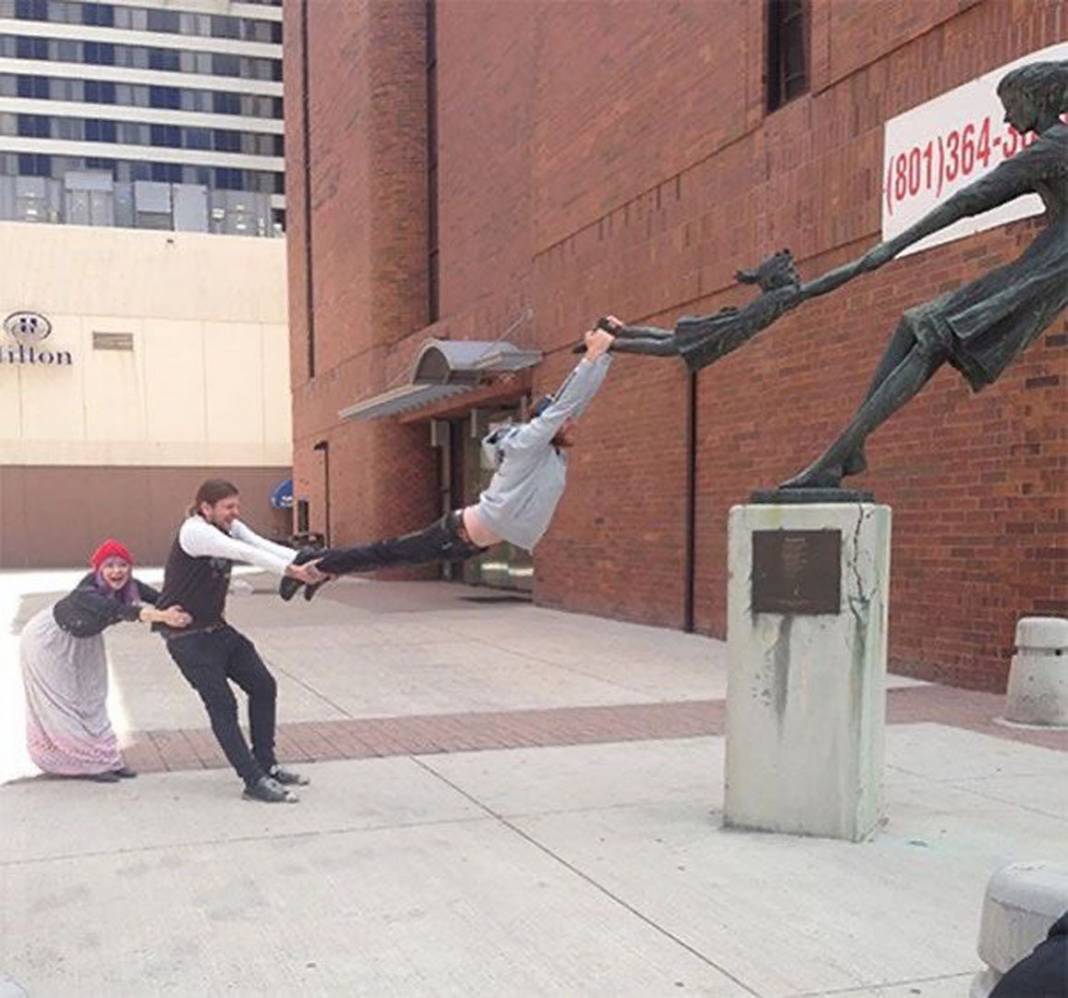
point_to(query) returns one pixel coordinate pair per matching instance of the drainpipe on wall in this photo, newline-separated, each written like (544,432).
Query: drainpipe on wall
(690,528)
(324,446)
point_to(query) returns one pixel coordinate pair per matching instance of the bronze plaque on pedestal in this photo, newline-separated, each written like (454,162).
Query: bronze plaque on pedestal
(797,571)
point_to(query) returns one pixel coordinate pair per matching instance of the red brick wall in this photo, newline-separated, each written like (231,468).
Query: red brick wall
(367,150)
(615,156)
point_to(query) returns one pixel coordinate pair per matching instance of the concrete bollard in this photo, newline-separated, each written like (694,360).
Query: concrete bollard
(1038,675)
(1022,901)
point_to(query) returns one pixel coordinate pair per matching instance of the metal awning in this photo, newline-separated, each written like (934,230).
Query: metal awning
(444,368)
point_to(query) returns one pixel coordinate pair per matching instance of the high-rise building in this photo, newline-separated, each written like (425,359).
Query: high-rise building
(159,114)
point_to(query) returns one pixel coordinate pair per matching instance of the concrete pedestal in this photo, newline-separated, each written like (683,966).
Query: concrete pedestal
(806,634)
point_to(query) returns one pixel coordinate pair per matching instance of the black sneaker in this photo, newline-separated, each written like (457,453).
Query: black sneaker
(108,777)
(124,773)
(269,791)
(287,777)
(288,587)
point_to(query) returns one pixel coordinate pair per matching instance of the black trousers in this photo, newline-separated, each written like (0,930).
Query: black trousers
(441,541)
(209,660)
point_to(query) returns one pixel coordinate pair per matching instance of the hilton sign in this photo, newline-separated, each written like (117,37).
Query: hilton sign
(29,330)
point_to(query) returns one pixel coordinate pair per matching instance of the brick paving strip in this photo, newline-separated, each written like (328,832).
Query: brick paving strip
(363,738)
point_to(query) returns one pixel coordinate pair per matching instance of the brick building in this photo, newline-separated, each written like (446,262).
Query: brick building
(506,172)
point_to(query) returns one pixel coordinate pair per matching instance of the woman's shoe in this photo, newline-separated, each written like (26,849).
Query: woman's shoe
(124,773)
(288,587)
(108,777)
(310,591)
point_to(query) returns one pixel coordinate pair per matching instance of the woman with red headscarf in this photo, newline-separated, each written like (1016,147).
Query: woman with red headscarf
(65,672)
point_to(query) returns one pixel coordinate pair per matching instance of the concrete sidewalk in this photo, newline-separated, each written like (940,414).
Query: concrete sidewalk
(513,801)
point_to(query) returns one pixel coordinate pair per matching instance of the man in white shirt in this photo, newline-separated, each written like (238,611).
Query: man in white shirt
(211,653)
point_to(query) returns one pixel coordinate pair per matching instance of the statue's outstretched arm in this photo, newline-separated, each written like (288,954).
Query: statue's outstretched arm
(1007,181)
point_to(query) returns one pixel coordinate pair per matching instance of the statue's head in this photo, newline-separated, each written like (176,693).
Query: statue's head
(1035,95)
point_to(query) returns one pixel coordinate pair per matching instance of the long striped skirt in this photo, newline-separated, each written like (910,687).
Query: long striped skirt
(66,680)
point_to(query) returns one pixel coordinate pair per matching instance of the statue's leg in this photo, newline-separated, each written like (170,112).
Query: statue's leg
(903,382)
(896,351)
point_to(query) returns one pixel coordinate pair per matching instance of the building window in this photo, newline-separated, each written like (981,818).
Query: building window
(33,86)
(100,131)
(164,20)
(225,103)
(31,10)
(166,59)
(166,135)
(227,179)
(99,53)
(34,165)
(170,173)
(787,66)
(99,92)
(225,27)
(31,48)
(227,141)
(198,138)
(35,126)
(168,97)
(225,64)
(100,14)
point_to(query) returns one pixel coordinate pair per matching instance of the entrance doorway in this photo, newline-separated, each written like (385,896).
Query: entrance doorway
(504,566)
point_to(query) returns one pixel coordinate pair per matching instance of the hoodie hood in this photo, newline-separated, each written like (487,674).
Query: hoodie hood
(493,444)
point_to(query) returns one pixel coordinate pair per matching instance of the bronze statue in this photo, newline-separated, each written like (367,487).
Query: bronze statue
(701,340)
(979,328)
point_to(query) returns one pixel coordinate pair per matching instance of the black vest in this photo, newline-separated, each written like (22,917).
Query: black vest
(198,585)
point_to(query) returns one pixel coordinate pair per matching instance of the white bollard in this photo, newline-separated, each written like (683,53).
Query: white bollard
(1038,675)
(1022,901)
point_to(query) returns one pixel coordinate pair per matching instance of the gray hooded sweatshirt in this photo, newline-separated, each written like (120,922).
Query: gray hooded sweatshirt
(531,473)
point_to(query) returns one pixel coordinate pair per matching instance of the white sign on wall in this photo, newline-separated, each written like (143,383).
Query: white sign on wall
(26,346)
(935,149)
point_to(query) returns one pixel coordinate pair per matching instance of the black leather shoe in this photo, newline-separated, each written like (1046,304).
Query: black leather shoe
(288,587)
(287,777)
(124,773)
(270,791)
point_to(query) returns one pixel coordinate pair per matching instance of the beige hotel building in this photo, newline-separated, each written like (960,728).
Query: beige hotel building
(144,343)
